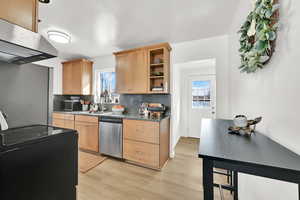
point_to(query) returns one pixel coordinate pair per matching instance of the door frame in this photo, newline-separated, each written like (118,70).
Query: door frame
(175,76)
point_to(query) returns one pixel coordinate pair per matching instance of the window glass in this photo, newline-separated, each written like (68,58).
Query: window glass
(106,88)
(107,82)
(201,91)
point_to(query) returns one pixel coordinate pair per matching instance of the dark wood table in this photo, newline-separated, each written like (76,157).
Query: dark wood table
(256,155)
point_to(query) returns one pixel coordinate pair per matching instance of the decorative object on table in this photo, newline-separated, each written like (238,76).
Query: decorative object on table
(118,109)
(85,105)
(246,130)
(240,121)
(258,35)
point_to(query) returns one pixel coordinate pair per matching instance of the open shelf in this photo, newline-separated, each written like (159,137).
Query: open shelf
(158,69)
(158,64)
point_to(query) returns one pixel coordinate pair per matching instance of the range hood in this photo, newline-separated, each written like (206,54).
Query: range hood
(21,46)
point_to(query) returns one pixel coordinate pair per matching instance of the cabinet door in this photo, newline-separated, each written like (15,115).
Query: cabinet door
(69,124)
(88,136)
(67,78)
(138,68)
(58,122)
(76,82)
(123,73)
(20,12)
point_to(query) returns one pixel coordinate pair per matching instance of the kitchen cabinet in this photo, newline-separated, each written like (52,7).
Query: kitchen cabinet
(131,71)
(20,12)
(146,143)
(77,77)
(63,120)
(88,130)
(143,70)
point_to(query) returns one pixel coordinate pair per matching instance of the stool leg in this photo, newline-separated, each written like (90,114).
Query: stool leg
(235,185)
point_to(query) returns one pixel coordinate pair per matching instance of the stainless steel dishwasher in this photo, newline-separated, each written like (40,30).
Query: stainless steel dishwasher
(111,136)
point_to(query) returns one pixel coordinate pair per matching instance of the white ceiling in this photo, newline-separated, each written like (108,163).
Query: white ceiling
(99,27)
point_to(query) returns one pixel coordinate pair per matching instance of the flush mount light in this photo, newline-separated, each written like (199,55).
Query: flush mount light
(44,1)
(59,37)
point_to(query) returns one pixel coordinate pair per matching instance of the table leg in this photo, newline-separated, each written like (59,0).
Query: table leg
(235,183)
(208,179)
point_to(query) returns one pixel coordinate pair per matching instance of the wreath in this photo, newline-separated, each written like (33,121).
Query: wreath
(258,35)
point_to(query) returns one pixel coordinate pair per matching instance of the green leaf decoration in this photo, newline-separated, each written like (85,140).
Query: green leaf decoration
(256,51)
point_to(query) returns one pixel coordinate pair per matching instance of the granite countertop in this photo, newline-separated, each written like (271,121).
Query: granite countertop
(110,114)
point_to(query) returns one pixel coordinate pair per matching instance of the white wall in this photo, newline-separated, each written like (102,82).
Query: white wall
(272,93)
(54,63)
(103,62)
(211,48)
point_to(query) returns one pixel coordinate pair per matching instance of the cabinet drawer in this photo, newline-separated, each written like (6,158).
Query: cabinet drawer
(58,116)
(63,116)
(84,118)
(141,152)
(144,131)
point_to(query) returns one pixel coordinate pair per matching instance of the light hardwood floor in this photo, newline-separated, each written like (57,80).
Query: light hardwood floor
(180,179)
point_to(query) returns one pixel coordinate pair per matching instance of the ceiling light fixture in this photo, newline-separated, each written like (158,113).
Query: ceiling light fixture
(59,37)
(44,1)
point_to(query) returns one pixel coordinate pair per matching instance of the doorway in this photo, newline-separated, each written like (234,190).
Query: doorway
(200,101)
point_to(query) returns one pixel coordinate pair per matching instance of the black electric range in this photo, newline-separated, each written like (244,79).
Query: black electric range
(38,162)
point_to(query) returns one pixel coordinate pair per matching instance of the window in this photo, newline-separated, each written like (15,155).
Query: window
(105,81)
(201,94)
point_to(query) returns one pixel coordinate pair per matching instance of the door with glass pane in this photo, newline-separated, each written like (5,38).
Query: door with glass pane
(201,103)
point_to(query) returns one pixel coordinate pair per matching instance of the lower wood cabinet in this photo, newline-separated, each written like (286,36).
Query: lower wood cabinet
(86,126)
(140,152)
(63,120)
(146,142)
(88,129)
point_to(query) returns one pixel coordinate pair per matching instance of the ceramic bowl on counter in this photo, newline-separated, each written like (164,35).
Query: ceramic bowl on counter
(118,109)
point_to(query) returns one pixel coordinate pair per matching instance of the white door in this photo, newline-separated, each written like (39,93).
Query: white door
(201,101)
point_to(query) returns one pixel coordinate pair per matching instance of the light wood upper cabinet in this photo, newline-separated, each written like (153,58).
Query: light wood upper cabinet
(138,73)
(131,71)
(20,12)
(77,77)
